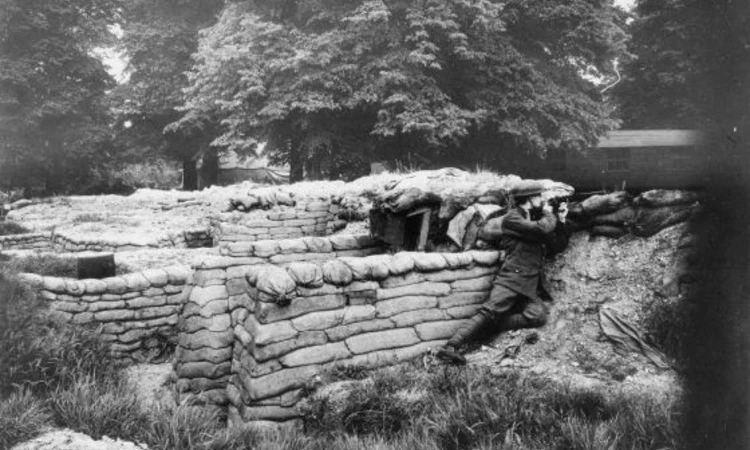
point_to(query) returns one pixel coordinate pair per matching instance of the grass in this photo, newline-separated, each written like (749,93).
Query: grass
(453,409)
(9,227)
(666,323)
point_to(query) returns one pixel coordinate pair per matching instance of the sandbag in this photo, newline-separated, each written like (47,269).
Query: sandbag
(618,218)
(664,197)
(611,231)
(457,226)
(454,204)
(336,272)
(649,221)
(360,267)
(306,274)
(400,263)
(602,204)
(276,282)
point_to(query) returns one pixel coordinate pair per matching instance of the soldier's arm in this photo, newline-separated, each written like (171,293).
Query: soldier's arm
(532,230)
(558,239)
(492,230)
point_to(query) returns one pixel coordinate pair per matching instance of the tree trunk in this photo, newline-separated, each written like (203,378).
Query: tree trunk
(210,168)
(296,164)
(189,175)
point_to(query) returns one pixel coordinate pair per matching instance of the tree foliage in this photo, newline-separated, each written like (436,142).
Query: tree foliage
(159,38)
(335,84)
(685,53)
(53,120)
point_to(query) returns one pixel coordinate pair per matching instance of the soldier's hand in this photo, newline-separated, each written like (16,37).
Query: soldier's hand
(562,212)
(547,207)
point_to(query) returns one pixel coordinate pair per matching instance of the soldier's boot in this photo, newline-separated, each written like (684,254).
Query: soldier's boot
(520,320)
(470,330)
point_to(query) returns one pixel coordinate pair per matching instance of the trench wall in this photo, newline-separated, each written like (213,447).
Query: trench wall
(253,334)
(131,310)
(317,218)
(71,242)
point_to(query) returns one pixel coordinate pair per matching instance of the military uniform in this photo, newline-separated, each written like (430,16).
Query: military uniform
(518,295)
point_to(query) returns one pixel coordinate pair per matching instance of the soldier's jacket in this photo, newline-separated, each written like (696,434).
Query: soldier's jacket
(526,243)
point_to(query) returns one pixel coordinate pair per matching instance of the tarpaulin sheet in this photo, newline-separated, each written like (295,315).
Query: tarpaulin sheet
(628,338)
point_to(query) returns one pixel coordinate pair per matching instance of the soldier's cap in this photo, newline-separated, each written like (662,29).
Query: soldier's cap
(527,188)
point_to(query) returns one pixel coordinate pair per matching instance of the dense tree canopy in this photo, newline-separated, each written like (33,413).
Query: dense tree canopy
(53,120)
(159,38)
(333,84)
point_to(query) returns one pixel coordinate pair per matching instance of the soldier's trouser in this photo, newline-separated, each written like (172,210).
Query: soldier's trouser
(505,310)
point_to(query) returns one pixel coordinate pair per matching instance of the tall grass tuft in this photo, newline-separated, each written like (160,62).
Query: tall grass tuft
(22,416)
(180,426)
(98,407)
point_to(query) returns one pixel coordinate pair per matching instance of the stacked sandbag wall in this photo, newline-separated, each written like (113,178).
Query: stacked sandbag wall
(290,323)
(26,241)
(618,213)
(131,310)
(305,219)
(285,251)
(71,242)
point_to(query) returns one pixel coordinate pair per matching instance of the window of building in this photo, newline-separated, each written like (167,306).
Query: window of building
(618,159)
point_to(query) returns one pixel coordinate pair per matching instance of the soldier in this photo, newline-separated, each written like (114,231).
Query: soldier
(529,231)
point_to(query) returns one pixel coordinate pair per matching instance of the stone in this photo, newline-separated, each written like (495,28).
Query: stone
(419,289)
(269,312)
(156,277)
(358,313)
(418,316)
(202,369)
(473,284)
(281,381)
(462,299)
(316,355)
(114,315)
(305,339)
(318,320)
(368,342)
(202,295)
(205,338)
(344,331)
(136,282)
(438,330)
(387,308)
(264,334)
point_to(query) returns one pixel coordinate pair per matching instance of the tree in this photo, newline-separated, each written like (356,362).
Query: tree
(159,39)
(53,120)
(336,84)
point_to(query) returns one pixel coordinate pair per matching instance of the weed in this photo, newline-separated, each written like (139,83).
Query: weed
(22,416)
(97,407)
(9,227)
(666,324)
(45,264)
(181,426)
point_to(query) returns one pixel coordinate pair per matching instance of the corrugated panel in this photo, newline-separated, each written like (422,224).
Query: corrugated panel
(650,138)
